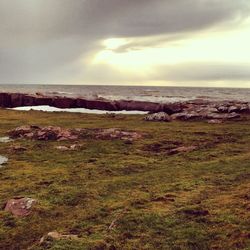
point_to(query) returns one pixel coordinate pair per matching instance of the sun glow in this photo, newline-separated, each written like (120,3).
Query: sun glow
(209,47)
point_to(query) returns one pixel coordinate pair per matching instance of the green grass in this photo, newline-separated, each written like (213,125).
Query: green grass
(82,192)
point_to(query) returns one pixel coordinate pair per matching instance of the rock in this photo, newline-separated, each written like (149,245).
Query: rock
(228,116)
(215,121)
(5,139)
(223,109)
(184,116)
(232,109)
(58,236)
(62,148)
(20,207)
(138,105)
(182,149)
(161,116)
(115,133)
(3,160)
(71,147)
(64,102)
(44,134)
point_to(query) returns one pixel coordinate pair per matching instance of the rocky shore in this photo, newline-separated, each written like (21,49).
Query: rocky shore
(196,109)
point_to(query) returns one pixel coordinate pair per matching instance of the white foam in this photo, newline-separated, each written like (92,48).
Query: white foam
(78,110)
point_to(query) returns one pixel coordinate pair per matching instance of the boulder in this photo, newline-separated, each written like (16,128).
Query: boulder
(20,206)
(161,116)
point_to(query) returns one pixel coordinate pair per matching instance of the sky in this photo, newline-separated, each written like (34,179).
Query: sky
(203,43)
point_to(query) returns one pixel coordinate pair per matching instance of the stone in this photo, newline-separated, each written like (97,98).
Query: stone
(5,139)
(227,116)
(3,160)
(182,149)
(223,109)
(57,236)
(215,121)
(20,206)
(115,133)
(161,116)
(184,116)
(232,109)
(71,147)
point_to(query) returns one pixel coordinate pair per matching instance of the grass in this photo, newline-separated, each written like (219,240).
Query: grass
(139,187)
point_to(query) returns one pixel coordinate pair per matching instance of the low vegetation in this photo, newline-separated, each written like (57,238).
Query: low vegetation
(115,194)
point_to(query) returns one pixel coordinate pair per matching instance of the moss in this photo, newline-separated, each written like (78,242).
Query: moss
(110,181)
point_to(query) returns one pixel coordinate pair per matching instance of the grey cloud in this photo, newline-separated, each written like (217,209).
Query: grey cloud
(203,72)
(41,37)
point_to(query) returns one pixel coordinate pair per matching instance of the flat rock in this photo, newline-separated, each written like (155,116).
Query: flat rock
(57,236)
(20,207)
(115,133)
(5,139)
(3,160)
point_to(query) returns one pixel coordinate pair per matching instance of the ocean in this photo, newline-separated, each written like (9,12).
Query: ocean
(141,93)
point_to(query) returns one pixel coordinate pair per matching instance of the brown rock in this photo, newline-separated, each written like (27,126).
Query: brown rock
(20,207)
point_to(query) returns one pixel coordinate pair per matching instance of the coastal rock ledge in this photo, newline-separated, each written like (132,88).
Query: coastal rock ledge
(199,107)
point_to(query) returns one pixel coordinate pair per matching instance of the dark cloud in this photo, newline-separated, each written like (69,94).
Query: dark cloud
(41,38)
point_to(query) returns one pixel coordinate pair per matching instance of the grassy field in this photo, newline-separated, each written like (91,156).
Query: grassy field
(151,199)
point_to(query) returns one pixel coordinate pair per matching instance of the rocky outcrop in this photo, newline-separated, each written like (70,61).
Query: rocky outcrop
(43,133)
(51,133)
(161,116)
(190,110)
(11,100)
(115,133)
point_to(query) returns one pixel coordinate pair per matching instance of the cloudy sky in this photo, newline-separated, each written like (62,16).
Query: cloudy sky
(140,42)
